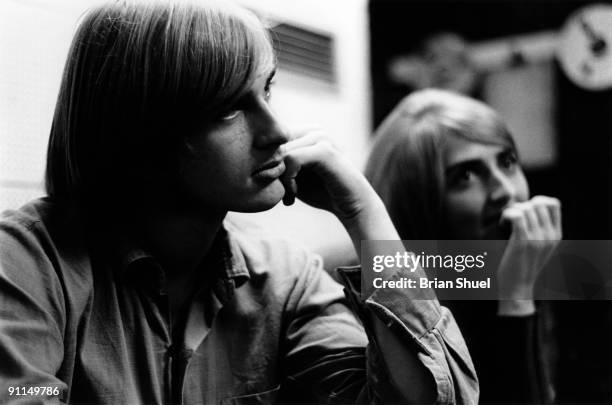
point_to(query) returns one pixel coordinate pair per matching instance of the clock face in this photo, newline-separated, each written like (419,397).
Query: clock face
(585,47)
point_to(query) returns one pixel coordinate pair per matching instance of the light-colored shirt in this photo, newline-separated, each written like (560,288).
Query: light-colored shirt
(267,323)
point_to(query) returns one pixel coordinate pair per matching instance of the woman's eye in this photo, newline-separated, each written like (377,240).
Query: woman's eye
(461,178)
(465,176)
(508,160)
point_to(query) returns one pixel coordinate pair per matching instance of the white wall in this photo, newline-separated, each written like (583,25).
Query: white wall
(34,39)
(345,113)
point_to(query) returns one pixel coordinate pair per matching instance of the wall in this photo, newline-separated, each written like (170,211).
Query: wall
(34,40)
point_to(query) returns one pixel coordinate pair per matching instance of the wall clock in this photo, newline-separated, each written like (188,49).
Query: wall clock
(584,49)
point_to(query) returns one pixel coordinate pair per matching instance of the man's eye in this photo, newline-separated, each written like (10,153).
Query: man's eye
(268,91)
(230,115)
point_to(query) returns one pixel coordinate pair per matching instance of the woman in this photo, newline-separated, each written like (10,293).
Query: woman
(125,285)
(446,167)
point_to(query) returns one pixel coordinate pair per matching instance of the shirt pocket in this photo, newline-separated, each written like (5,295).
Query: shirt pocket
(260,398)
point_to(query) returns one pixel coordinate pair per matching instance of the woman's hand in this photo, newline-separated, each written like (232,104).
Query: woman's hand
(536,232)
(320,175)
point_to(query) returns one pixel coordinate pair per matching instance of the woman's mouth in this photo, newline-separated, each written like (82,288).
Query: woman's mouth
(495,228)
(492,220)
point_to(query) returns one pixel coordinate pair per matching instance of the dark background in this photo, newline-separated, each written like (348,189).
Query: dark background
(582,176)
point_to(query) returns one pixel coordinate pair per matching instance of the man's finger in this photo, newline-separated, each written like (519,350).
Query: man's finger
(290,191)
(303,140)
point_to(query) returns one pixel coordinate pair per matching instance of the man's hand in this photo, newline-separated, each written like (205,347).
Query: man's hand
(320,175)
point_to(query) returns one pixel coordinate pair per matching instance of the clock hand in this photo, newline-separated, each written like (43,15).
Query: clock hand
(598,43)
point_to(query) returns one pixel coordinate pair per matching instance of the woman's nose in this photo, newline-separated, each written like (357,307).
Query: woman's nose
(268,131)
(503,189)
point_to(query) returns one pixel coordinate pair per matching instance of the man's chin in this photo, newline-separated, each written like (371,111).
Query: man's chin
(264,200)
(256,207)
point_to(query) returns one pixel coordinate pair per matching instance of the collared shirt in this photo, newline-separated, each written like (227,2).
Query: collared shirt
(96,324)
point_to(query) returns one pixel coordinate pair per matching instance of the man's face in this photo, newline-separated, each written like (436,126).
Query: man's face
(236,163)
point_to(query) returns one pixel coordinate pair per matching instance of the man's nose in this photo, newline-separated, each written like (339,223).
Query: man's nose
(268,131)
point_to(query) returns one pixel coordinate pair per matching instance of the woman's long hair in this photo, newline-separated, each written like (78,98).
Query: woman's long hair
(406,164)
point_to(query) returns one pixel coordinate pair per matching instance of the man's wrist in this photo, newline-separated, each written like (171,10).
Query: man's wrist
(372,222)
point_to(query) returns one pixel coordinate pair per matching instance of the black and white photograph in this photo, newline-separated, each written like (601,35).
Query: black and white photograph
(306,202)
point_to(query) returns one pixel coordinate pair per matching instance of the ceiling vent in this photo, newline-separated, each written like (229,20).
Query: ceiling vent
(305,52)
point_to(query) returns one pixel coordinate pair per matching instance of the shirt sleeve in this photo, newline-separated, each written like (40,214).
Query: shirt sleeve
(31,313)
(329,354)
(428,332)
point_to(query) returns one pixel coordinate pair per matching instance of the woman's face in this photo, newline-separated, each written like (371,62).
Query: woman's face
(481,181)
(236,162)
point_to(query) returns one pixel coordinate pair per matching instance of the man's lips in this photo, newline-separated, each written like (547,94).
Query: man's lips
(270,170)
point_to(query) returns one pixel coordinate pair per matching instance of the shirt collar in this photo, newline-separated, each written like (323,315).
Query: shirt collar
(227,253)
(225,260)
